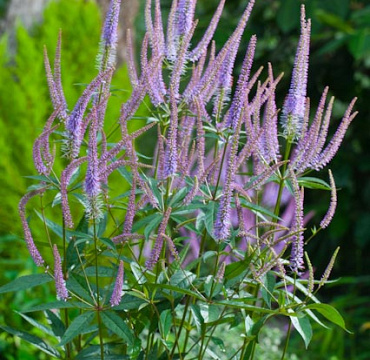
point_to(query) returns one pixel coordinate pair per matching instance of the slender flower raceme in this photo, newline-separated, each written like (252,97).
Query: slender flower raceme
(64,180)
(222,223)
(108,43)
(294,105)
(203,44)
(333,203)
(60,284)
(117,291)
(157,248)
(93,179)
(241,89)
(34,252)
(74,124)
(297,254)
(55,82)
(171,156)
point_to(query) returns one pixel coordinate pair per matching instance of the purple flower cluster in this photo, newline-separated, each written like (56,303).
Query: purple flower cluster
(217,142)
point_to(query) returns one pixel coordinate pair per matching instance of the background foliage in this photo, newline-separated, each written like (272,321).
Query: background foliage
(339,58)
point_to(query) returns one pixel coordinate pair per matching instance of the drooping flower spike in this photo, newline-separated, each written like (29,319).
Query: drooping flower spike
(117,291)
(60,284)
(158,244)
(34,252)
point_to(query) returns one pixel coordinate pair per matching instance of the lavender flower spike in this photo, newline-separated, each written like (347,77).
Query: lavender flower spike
(117,291)
(203,44)
(60,284)
(223,222)
(294,105)
(170,165)
(92,181)
(64,180)
(93,175)
(156,251)
(74,122)
(36,256)
(107,54)
(297,253)
(333,203)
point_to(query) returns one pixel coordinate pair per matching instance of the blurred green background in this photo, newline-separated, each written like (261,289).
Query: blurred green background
(340,58)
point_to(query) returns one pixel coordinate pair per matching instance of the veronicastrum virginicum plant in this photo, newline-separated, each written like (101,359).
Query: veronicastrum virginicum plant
(211,232)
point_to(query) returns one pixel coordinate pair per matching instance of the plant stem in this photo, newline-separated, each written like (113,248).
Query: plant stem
(97,293)
(221,166)
(253,350)
(66,318)
(281,183)
(243,349)
(287,340)
(181,327)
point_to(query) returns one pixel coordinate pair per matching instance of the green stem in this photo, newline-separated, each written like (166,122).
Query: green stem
(201,250)
(282,179)
(253,350)
(98,293)
(243,349)
(66,317)
(220,171)
(287,340)
(215,269)
(180,328)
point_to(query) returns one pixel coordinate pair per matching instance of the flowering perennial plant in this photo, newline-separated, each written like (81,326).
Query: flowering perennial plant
(210,231)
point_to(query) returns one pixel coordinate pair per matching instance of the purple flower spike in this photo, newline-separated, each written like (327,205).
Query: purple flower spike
(242,85)
(156,251)
(111,22)
(92,180)
(185,16)
(297,253)
(180,24)
(36,256)
(294,106)
(107,54)
(58,78)
(117,291)
(60,284)
(203,44)
(171,155)
(64,180)
(333,204)
(223,222)
(55,82)
(74,123)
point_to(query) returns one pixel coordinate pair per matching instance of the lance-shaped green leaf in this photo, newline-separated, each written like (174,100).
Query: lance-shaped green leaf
(116,324)
(303,326)
(57,325)
(34,340)
(165,323)
(55,305)
(268,288)
(313,183)
(25,282)
(330,313)
(77,327)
